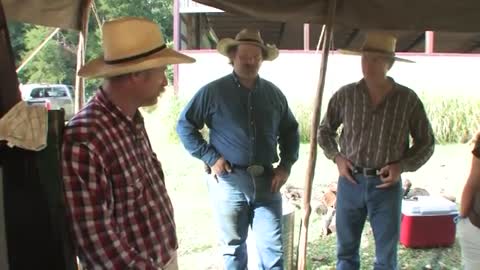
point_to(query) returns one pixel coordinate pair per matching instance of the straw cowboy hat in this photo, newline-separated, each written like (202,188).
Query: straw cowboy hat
(129,45)
(248,36)
(378,43)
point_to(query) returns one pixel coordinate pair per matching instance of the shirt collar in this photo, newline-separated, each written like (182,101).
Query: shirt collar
(362,83)
(238,84)
(116,112)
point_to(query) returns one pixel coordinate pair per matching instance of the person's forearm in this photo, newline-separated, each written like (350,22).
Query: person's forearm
(466,200)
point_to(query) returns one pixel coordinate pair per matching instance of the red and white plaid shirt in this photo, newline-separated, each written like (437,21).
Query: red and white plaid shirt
(121,215)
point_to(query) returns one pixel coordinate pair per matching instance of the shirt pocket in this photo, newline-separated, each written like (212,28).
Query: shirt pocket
(268,119)
(128,187)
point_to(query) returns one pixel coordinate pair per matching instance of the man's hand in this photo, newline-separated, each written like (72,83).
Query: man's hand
(390,174)
(280,176)
(220,167)
(345,168)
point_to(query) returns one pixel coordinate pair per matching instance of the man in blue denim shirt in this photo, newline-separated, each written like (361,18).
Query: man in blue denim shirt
(246,116)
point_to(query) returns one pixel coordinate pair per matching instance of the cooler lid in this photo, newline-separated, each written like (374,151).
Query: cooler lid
(428,206)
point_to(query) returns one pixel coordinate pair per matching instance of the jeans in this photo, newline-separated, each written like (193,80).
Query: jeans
(382,207)
(239,201)
(469,238)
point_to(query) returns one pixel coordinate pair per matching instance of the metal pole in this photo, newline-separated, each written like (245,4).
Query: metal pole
(302,256)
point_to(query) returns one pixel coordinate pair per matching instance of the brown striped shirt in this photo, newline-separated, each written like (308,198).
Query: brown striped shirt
(375,136)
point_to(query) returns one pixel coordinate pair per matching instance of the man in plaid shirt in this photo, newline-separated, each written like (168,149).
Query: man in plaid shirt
(120,212)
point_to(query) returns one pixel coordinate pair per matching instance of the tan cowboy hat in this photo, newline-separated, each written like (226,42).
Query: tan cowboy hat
(129,45)
(248,36)
(378,43)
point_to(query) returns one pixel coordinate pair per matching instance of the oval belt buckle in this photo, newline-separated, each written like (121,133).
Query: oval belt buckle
(255,170)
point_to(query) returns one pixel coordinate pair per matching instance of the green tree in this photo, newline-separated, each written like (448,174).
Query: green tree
(56,62)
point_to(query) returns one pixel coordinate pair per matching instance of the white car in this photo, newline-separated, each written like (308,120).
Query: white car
(52,96)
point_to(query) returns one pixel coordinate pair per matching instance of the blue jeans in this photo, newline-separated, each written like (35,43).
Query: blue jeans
(240,201)
(383,208)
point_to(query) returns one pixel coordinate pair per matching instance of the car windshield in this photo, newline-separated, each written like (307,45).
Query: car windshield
(56,92)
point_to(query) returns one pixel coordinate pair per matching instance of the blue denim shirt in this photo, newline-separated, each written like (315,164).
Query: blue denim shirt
(244,126)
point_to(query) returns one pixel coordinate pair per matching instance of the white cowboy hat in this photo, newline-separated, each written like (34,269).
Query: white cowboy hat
(131,44)
(378,43)
(248,36)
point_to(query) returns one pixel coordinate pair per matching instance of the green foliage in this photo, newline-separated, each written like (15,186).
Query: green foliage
(303,114)
(17,30)
(454,119)
(56,62)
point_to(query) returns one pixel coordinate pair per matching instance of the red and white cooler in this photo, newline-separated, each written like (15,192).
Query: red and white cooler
(427,221)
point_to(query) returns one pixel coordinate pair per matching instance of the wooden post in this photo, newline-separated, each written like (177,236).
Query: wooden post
(306,37)
(429,41)
(312,158)
(82,41)
(176,40)
(9,92)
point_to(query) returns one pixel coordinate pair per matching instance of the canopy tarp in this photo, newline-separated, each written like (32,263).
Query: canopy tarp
(434,15)
(54,13)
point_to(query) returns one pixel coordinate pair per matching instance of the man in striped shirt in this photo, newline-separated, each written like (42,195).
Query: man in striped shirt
(378,117)
(120,212)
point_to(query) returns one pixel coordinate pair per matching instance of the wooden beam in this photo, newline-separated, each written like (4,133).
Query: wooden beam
(9,91)
(197,31)
(176,40)
(79,98)
(312,158)
(429,41)
(306,37)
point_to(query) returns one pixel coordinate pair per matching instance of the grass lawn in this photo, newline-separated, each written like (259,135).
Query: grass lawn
(445,171)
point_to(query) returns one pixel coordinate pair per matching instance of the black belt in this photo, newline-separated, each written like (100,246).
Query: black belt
(369,172)
(255,170)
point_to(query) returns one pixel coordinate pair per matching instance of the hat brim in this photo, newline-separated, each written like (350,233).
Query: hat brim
(360,52)
(224,44)
(97,68)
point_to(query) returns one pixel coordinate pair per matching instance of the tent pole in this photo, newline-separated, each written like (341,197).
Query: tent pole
(301,258)
(36,50)
(82,41)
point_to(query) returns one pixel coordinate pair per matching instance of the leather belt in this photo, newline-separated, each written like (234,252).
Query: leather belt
(254,170)
(368,172)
